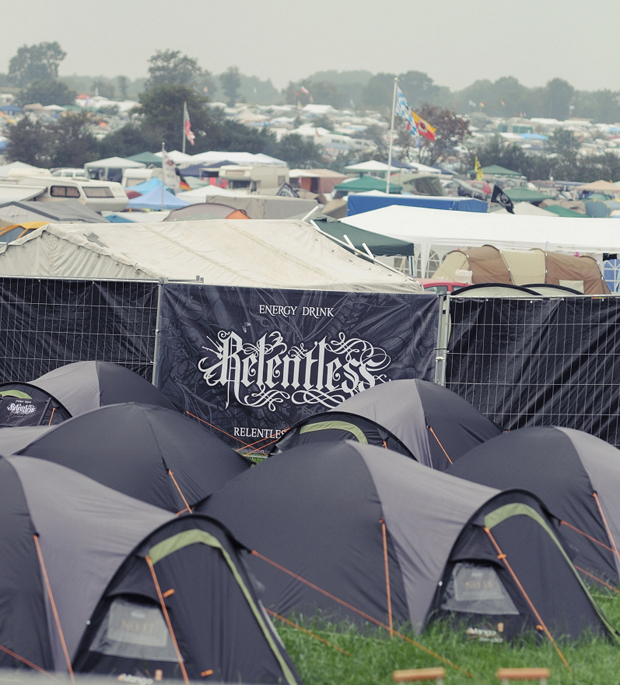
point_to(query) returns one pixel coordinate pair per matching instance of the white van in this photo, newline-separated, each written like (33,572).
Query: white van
(70,173)
(254,178)
(96,195)
(133,177)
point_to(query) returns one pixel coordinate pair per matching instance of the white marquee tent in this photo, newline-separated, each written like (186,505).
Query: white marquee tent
(442,231)
(267,254)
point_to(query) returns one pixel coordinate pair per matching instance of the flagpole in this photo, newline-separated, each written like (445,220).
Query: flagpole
(163,155)
(184,120)
(389,172)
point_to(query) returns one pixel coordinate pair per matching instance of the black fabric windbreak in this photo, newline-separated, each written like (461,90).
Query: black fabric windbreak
(455,426)
(544,461)
(337,426)
(23,619)
(521,529)
(132,447)
(318,515)
(46,409)
(213,619)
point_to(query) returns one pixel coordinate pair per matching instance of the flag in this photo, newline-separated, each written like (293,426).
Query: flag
(187,126)
(304,90)
(183,184)
(478,169)
(502,199)
(424,128)
(403,110)
(169,175)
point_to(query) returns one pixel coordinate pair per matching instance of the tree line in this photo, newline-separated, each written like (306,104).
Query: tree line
(173,79)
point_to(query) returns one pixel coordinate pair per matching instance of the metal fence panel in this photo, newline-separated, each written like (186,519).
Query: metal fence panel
(45,323)
(543,361)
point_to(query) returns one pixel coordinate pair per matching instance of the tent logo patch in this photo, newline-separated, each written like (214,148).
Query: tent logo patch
(21,408)
(268,372)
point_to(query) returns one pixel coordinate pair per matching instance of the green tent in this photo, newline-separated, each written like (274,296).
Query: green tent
(496,170)
(527,195)
(366,183)
(377,244)
(565,211)
(146,158)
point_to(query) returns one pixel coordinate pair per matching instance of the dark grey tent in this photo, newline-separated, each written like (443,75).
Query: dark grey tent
(577,476)
(150,453)
(423,420)
(337,530)
(23,404)
(83,386)
(59,211)
(119,569)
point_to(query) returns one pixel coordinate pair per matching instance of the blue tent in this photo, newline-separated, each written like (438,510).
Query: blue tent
(147,186)
(119,219)
(358,204)
(157,199)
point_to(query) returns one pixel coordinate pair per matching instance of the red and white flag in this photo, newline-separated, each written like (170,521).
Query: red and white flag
(187,126)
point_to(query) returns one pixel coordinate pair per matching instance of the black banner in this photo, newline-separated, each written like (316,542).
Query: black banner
(251,362)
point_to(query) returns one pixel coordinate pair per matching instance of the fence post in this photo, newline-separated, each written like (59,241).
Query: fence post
(443,335)
(160,291)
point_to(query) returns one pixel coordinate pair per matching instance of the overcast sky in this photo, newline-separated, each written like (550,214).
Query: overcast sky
(453,41)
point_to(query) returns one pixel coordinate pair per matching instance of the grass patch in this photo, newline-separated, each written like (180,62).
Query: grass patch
(374,655)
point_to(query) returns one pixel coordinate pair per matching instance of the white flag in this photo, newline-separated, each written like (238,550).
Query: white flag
(169,174)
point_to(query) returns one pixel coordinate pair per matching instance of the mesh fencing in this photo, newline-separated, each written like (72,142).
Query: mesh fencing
(45,323)
(543,361)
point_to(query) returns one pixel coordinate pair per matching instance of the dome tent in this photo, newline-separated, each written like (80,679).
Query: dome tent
(423,420)
(577,476)
(23,404)
(82,386)
(91,546)
(153,454)
(326,525)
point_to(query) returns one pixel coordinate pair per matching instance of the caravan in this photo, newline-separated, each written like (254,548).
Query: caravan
(96,195)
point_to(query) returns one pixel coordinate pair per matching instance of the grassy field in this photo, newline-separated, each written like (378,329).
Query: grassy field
(373,655)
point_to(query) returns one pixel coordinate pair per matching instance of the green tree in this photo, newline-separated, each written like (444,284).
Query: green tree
(451,130)
(29,141)
(298,152)
(129,140)
(379,92)
(73,141)
(558,95)
(418,87)
(35,63)
(231,82)
(162,110)
(47,93)
(104,87)
(123,86)
(564,143)
(172,67)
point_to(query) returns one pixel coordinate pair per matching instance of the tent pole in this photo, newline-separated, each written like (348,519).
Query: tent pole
(389,171)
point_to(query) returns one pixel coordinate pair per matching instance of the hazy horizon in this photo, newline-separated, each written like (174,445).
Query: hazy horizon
(534,42)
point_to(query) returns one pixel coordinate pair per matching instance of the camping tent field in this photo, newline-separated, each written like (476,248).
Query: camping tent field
(132,514)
